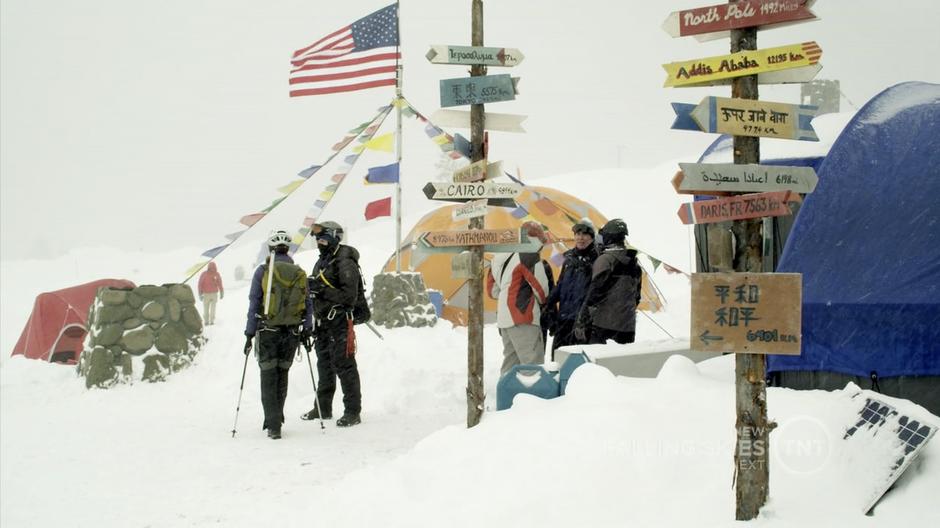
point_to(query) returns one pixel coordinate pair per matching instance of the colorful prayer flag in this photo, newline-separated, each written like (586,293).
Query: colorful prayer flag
(379,208)
(384,174)
(355,57)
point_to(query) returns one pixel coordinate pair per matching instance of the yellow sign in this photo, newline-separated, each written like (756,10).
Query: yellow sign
(747,313)
(709,69)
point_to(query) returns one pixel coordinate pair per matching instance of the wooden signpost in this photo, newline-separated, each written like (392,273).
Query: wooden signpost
(744,117)
(737,207)
(722,178)
(523,244)
(478,171)
(792,76)
(439,54)
(697,71)
(747,313)
(494,121)
(478,90)
(472,237)
(705,21)
(474,209)
(498,194)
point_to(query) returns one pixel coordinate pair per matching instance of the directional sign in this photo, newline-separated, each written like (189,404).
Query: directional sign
(749,313)
(491,121)
(468,210)
(460,265)
(526,245)
(737,207)
(478,171)
(746,117)
(738,15)
(498,194)
(792,76)
(719,178)
(470,237)
(439,54)
(478,90)
(697,71)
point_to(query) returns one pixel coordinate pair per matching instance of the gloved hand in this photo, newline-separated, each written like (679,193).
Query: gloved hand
(221,295)
(248,343)
(580,332)
(306,338)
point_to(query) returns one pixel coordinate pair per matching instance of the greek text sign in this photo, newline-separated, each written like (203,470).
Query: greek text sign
(697,71)
(749,313)
(474,55)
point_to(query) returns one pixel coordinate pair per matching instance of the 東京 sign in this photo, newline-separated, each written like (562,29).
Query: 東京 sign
(478,90)
(751,313)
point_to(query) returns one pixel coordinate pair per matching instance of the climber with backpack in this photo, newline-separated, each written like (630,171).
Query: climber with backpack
(280,315)
(339,303)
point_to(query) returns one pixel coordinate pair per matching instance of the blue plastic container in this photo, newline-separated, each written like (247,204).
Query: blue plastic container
(525,379)
(437,299)
(572,362)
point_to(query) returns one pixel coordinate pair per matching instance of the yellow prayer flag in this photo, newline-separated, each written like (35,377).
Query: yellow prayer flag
(326,195)
(382,143)
(291,187)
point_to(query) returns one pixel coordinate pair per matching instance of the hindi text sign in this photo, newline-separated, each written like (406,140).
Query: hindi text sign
(749,313)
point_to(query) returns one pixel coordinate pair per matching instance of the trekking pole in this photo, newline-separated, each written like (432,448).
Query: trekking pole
(239,405)
(374,331)
(316,397)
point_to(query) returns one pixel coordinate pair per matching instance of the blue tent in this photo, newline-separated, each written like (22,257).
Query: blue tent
(867,242)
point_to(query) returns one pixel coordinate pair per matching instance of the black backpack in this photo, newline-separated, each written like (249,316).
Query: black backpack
(361,312)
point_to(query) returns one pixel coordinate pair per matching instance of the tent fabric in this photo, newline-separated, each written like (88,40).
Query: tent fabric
(867,242)
(56,328)
(557,210)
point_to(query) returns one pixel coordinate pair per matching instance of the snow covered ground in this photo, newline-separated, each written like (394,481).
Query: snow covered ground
(614,451)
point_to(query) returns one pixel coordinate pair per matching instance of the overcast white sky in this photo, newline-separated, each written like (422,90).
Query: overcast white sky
(177,111)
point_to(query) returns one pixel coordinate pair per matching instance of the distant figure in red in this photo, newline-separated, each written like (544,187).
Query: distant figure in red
(210,291)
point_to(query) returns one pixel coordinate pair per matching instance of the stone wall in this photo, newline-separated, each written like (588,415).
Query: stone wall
(401,299)
(144,333)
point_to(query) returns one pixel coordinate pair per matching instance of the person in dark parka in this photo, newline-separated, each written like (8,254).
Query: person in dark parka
(609,309)
(334,286)
(566,298)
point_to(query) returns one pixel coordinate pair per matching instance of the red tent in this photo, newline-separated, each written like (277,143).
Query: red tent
(56,329)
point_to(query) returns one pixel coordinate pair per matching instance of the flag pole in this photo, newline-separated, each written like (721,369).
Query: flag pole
(398,102)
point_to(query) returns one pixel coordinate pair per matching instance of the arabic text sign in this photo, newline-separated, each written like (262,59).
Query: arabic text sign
(742,14)
(744,117)
(718,178)
(468,210)
(750,313)
(474,55)
(737,207)
(472,237)
(696,71)
(478,90)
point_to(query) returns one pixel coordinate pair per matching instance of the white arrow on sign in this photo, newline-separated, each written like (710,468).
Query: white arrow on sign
(491,121)
(469,210)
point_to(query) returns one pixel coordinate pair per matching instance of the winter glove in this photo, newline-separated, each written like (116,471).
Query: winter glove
(248,344)
(580,332)
(306,337)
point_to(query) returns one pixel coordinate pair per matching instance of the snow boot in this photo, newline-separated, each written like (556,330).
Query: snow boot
(314,414)
(274,434)
(348,420)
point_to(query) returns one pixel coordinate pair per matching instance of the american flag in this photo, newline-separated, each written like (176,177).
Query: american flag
(355,57)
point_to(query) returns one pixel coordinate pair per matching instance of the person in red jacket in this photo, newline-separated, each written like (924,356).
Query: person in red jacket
(210,291)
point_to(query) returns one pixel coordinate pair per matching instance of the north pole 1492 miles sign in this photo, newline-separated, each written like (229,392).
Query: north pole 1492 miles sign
(750,313)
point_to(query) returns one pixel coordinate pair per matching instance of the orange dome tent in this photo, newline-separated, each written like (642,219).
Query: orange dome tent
(552,208)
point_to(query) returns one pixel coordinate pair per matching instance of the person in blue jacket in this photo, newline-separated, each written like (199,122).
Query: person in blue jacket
(279,333)
(566,298)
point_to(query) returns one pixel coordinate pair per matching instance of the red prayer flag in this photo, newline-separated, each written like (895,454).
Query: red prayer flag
(379,208)
(361,55)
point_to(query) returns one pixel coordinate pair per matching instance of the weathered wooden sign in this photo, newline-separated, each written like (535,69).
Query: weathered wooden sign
(766,14)
(747,117)
(470,237)
(697,71)
(487,56)
(478,171)
(750,313)
(491,121)
(737,207)
(460,265)
(468,210)
(478,90)
(720,178)
(466,191)
(525,245)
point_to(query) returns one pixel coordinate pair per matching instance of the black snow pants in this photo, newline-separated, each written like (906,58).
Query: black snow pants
(276,348)
(332,362)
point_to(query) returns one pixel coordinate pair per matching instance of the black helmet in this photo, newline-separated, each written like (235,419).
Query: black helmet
(583,227)
(329,231)
(614,231)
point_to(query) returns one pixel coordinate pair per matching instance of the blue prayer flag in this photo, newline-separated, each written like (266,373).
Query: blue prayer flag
(384,174)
